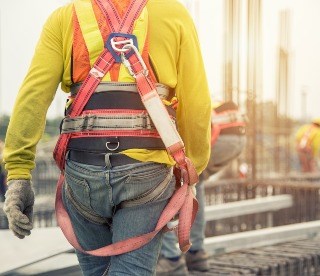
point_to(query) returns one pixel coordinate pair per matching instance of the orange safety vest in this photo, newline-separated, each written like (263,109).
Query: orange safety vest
(81,64)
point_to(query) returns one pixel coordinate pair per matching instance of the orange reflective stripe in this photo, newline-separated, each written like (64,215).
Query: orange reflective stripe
(80,54)
(105,30)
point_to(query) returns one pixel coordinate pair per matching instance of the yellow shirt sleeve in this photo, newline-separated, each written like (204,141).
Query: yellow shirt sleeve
(194,109)
(175,55)
(35,96)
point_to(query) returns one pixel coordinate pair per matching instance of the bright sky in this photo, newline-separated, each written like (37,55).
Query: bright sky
(21,22)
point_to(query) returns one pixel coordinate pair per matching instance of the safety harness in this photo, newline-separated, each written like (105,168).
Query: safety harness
(154,120)
(226,119)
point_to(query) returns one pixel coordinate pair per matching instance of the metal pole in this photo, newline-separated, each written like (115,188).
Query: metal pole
(259,85)
(254,79)
(283,125)
(251,89)
(228,50)
(304,92)
(232,50)
(288,98)
(1,96)
(235,50)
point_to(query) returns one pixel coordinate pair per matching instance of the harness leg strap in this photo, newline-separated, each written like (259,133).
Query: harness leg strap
(150,195)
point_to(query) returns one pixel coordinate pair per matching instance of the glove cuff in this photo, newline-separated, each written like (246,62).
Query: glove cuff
(19,182)
(22,187)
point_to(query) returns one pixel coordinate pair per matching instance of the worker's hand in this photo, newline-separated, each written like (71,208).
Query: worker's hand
(18,207)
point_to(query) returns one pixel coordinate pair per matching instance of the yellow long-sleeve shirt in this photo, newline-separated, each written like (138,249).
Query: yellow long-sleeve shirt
(177,60)
(313,137)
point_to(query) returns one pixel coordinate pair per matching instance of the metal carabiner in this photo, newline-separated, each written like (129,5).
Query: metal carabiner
(125,42)
(112,149)
(127,63)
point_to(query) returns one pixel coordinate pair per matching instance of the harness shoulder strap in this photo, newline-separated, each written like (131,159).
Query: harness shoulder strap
(110,13)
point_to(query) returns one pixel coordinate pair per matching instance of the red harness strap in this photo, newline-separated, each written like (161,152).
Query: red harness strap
(216,128)
(183,199)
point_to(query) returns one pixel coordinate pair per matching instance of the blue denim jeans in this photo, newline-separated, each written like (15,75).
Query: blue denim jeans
(226,148)
(92,196)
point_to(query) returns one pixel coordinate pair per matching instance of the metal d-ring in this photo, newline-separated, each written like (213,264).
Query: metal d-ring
(113,148)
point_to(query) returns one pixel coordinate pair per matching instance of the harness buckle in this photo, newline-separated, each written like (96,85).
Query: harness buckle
(127,64)
(96,73)
(112,149)
(116,43)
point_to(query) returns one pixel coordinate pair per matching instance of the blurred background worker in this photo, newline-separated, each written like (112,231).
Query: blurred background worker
(308,146)
(227,142)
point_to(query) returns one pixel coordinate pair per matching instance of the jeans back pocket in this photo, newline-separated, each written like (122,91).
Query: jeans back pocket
(79,188)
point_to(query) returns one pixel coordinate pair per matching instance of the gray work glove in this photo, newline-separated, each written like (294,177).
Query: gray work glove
(18,207)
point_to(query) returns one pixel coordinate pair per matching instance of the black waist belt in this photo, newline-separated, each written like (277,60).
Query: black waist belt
(114,144)
(98,159)
(118,100)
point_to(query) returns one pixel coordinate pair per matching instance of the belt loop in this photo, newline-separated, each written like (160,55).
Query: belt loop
(67,155)
(107,160)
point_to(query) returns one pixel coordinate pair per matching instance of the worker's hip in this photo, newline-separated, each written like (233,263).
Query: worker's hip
(98,191)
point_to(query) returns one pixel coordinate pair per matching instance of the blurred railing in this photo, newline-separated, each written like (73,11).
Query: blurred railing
(305,207)
(45,176)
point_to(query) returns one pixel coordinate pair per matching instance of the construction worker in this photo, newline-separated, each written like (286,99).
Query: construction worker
(228,141)
(308,146)
(118,143)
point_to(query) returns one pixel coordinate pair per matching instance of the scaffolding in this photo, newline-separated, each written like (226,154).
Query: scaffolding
(269,146)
